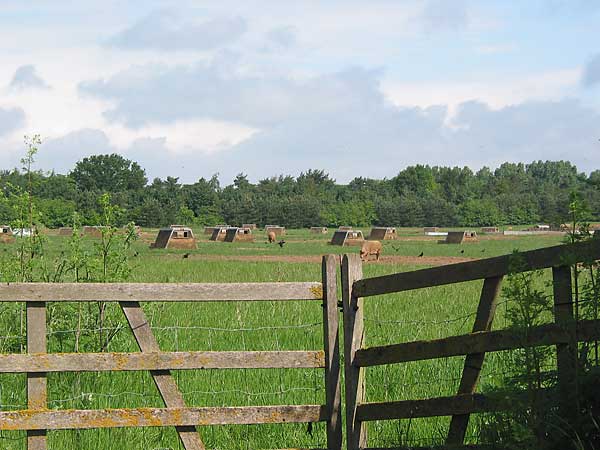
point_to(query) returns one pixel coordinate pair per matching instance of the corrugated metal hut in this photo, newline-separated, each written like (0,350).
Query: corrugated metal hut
(218,233)
(93,231)
(234,234)
(347,237)
(490,230)
(211,229)
(382,234)
(178,237)
(6,234)
(458,237)
(65,231)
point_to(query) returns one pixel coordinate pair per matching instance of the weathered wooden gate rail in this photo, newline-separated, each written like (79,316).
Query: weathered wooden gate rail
(37,363)
(564,333)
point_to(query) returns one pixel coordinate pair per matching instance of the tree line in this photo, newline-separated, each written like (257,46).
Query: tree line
(421,195)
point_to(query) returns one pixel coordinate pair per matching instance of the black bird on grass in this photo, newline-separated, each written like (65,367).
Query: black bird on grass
(396,248)
(462,251)
(483,250)
(186,255)
(281,243)
(421,255)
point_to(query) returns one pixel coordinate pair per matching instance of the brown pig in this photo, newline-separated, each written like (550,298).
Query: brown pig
(370,248)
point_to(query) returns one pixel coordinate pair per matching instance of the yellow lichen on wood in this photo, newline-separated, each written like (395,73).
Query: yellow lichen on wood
(317,291)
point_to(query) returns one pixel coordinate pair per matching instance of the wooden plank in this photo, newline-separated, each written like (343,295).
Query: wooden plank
(331,337)
(162,378)
(432,407)
(474,361)
(477,270)
(92,362)
(446,447)
(160,417)
(37,396)
(446,406)
(480,342)
(566,352)
(356,431)
(158,292)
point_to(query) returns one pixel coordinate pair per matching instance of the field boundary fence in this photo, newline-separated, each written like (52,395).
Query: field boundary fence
(564,333)
(37,419)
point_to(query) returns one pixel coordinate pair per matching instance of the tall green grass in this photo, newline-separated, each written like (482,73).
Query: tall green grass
(424,314)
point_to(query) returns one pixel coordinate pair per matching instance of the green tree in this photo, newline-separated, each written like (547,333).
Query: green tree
(416,180)
(185,216)
(108,173)
(202,194)
(480,213)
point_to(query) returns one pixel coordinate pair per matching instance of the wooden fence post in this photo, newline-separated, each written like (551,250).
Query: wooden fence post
(356,432)
(474,361)
(566,354)
(331,335)
(36,382)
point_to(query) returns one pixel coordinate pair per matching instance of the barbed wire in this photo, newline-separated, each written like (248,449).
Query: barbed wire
(419,322)
(194,327)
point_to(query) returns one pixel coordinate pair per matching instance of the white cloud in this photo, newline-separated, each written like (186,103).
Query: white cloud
(61,153)
(11,119)
(182,136)
(496,92)
(168,30)
(532,130)
(342,122)
(158,94)
(380,144)
(26,77)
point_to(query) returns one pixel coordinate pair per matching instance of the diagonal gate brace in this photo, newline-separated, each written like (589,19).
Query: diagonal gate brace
(162,378)
(474,361)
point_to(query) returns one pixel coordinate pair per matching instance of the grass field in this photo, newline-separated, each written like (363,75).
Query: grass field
(424,314)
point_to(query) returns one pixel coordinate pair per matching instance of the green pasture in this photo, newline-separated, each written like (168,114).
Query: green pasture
(411,243)
(423,314)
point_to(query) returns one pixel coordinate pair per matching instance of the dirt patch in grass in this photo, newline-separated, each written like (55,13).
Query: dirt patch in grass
(427,260)
(421,238)
(398,260)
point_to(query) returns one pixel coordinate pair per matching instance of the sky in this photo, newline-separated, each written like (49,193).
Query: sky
(356,88)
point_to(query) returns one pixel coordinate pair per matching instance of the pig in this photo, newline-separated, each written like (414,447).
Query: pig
(271,236)
(370,248)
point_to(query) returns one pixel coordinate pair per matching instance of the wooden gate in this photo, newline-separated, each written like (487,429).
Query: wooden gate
(37,419)
(565,332)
